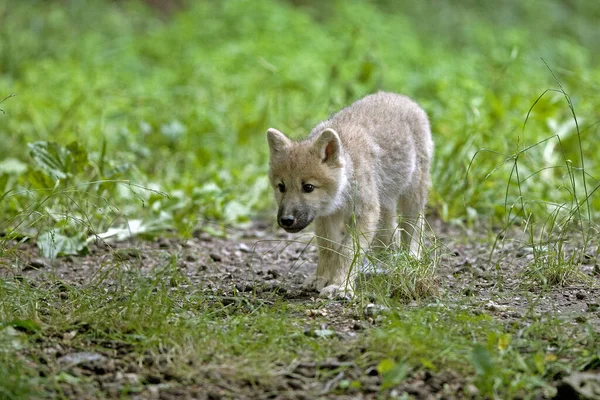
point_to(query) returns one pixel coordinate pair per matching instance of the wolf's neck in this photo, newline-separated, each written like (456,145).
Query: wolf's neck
(345,183)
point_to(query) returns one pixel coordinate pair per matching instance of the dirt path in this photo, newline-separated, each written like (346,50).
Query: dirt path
(265,265)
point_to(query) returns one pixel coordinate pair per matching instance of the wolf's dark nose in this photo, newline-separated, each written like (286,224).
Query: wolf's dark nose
(287,221)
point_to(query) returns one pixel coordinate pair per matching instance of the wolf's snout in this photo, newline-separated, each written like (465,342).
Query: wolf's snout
(293,223)
(287,221)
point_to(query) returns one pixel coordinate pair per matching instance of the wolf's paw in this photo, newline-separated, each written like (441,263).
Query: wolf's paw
(337,292)
(314,283)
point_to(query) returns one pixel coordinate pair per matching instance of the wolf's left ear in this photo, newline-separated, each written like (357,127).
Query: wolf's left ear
(329,146)
(277,140)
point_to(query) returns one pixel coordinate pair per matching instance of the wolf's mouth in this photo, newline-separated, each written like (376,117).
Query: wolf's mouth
(293,229)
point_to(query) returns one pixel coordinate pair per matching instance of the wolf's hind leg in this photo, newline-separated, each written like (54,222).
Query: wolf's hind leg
(412,210)
(387,231)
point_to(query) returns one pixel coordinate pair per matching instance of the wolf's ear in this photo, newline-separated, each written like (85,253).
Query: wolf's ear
(329,146)
(277,140)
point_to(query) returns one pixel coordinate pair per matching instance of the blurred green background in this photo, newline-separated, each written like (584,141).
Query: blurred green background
(156,112)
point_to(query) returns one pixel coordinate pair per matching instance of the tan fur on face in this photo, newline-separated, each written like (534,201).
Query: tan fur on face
(368,163)
(299,163)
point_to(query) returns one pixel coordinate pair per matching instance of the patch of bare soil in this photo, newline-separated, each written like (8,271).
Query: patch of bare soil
(263,264)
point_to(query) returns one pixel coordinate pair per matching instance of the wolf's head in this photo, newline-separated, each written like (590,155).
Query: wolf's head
(308,177)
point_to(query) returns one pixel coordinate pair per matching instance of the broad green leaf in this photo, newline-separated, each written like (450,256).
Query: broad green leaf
(235,211)
(482,360)
(133,228)
(173,131)
(53,243)
(50,158)
(12,166)
(57,161)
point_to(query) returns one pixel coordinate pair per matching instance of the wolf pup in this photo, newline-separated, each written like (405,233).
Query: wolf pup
(356,171)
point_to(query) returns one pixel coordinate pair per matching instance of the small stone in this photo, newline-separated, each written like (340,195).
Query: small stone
(493,306)
(273,273)
(472,390)
(78,358)
(215,257)
(69,335)
(243,287)
(315,312)
(515,314)
(323,333)
(244,248)
(37,263)
(132,379)
(375,309)
(204,236)
(357,326)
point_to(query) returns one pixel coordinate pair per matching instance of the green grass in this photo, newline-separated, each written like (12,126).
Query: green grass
(124,120)
(174,330)
(394,273)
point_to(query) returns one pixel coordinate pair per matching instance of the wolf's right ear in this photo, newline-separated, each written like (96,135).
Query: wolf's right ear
(277,140)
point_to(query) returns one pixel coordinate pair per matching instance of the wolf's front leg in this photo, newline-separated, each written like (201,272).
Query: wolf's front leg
(340,263)
(328,232)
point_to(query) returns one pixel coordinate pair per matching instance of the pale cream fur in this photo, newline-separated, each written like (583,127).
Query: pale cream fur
(367,164)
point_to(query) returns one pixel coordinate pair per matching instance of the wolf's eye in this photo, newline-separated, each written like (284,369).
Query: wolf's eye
(281,187)
(307,187)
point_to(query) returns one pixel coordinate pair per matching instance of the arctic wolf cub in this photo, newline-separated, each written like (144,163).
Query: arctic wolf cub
(355,172)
